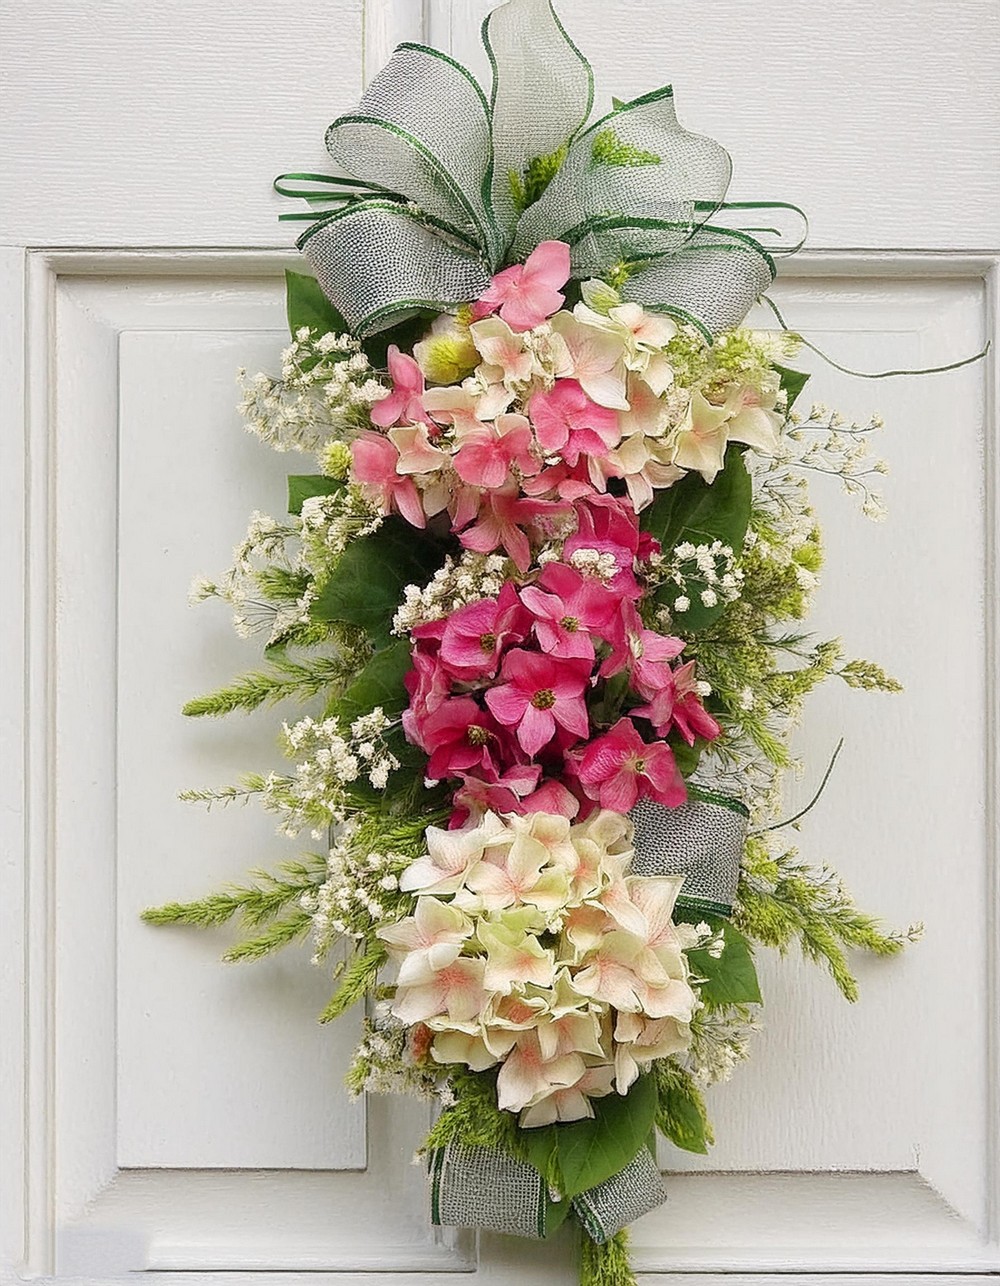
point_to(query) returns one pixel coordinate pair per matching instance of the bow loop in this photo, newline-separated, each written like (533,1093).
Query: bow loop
(422,131)
(448,188)
(543,90)
(635,162)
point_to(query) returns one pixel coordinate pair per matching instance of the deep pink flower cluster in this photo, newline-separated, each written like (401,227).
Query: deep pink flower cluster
(501,689)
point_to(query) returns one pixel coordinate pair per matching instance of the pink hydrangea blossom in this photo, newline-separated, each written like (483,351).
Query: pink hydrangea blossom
(619,768)
(585,598)
(527,293)
(404,404)
(487,452)
(609,525)
(509,792)
(475,635)
(551,797)
(539,694)
(679,705)
(500,524)
(374,464)
(458,735)
(622,632)
(558,631)
(653,653)
(568,421)
(428,684)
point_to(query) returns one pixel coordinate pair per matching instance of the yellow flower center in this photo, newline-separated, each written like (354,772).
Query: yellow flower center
(544,699)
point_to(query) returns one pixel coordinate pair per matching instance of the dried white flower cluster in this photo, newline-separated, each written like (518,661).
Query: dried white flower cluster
(262,552)
(825,442)
(460,581)
(358,894)
(329,760)
(705,573)
(327,387)
(720,1041)
(330,523)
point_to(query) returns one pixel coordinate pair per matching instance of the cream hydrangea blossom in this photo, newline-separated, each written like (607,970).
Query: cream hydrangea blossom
(532,948)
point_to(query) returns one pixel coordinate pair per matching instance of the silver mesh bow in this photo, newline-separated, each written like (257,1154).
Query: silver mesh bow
(447,181)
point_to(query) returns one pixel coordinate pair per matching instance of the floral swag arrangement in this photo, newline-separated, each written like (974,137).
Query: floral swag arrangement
(544,596)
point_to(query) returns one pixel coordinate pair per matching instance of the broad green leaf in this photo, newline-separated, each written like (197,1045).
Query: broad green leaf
(366,587)
(380,683)
(306,305)
(556,1214)
(700,512)
(687,757)
(303,486)
(539,1148)
(793,382)
(592,1151)
(732,978)
(680,1112)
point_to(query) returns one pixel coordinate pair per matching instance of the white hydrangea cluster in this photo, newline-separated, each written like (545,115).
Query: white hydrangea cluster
(327,387)
(532,948)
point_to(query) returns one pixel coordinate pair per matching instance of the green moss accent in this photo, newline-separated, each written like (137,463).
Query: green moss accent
(609,149)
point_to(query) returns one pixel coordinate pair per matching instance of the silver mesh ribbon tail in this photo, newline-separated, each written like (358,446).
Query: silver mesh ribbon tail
(486,1188)
(702,839)
(618,1201)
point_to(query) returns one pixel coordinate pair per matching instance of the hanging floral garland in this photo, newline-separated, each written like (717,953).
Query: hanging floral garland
(542,595)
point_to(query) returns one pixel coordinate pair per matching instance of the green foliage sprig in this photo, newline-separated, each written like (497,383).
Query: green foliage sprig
(782,900)
(255,906)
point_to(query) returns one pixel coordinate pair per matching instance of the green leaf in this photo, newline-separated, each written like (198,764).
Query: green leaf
(732,978)
(687,757)
(366,587)
(696,511)
(380,683)
(793,382)
(303,486)
(592,1151)
(680,1111)
(306,305)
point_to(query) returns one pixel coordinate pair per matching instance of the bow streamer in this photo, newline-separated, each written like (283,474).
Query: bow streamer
(449,187)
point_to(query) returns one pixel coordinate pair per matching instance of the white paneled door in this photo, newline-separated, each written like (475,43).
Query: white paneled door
(165,1115)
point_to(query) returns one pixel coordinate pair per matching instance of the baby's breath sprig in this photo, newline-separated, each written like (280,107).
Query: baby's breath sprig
(325,391)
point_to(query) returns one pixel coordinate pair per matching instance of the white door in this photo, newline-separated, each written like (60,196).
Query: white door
(162,1114)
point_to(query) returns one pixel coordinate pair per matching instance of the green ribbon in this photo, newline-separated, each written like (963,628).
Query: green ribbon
(449,186)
